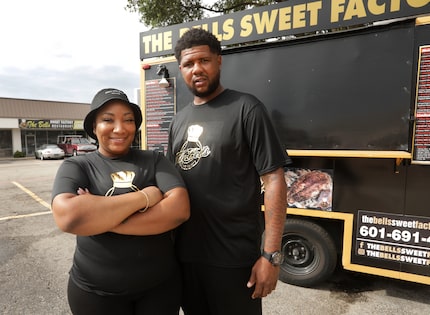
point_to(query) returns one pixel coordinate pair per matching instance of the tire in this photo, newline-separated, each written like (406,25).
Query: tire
(310,255)
(41,157)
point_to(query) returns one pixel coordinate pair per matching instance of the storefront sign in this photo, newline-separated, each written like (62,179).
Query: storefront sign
(50,124)
(389,237)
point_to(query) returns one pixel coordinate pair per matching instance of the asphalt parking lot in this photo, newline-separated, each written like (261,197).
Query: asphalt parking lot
(35,258)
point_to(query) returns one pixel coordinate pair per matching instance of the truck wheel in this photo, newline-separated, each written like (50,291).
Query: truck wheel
(310,255)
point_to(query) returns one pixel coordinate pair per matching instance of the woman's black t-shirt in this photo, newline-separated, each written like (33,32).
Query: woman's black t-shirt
(110,263)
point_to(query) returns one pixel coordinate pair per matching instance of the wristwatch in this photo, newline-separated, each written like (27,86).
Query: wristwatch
(275,258)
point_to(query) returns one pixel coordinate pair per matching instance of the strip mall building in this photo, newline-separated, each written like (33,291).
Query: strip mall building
(26,124)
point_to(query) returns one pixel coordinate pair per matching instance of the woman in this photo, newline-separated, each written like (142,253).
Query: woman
(122,204)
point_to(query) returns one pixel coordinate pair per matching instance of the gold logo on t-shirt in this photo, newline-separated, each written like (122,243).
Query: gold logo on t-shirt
(122,179)
(192,150)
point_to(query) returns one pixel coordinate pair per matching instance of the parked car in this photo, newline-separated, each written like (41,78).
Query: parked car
(49,151)
(75,145)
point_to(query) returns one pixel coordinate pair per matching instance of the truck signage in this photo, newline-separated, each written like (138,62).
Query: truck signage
(159,111)
(352,108)
(391,237)
(309,188)
(422,110)
(282,19)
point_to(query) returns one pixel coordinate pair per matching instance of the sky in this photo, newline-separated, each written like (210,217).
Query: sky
(67,50)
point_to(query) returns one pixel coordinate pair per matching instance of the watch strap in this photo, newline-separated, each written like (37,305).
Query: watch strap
(270,257)
(267,255)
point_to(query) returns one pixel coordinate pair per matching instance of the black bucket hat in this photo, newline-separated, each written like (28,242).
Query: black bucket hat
(101,98)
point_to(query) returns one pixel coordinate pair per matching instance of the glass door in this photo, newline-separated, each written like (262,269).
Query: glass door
(30,144)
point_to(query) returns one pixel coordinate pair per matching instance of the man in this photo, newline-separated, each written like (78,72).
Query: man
(222,144)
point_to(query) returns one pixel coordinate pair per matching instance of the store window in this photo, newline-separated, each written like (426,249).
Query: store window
(33,139)
(6,143)
(41,137)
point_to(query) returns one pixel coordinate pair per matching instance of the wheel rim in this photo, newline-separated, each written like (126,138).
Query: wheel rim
(300,256)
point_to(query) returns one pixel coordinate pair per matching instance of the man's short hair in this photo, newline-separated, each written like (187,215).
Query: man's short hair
(197,37)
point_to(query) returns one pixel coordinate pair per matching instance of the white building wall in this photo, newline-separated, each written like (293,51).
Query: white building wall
(16,140)
(13,124)
(8,123)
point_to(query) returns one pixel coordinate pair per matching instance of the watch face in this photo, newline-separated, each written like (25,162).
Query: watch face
(277,258)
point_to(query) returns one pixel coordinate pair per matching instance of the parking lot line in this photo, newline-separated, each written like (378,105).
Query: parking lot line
(24,215)
(35,197)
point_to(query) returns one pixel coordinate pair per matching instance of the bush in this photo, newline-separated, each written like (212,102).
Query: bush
(18,154)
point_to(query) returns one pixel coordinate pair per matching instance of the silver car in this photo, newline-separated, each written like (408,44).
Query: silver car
(49,151)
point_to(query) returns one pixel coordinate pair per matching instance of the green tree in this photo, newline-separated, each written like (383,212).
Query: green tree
(158,13)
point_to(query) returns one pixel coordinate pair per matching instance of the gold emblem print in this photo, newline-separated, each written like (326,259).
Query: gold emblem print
(123,179)
(192,150)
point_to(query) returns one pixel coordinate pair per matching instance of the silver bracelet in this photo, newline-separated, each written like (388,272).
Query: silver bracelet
(147,201)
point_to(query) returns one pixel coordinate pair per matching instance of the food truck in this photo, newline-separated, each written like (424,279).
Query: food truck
(347,85)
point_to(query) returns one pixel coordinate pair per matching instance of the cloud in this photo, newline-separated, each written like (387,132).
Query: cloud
(74,85)
(64,50)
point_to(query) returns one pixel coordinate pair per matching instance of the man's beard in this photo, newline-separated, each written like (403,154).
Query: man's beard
(213,85)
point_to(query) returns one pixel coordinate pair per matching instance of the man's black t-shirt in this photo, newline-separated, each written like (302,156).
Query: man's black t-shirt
(221,149)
